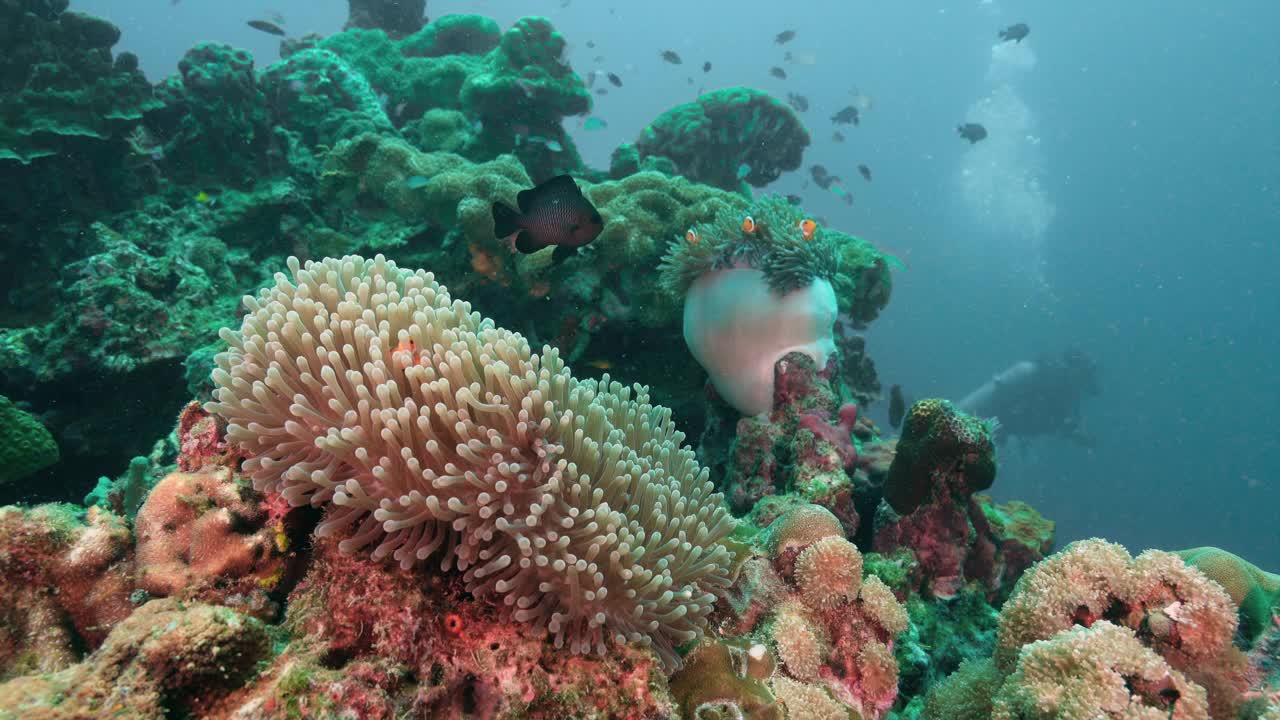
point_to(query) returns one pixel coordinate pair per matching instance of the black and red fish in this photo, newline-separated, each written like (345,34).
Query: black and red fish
(554,213)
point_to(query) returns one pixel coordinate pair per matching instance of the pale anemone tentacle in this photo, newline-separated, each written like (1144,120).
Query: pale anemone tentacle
(427,430)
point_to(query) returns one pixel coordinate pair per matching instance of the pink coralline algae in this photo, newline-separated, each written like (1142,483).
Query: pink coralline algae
(352,613)
(839,435)
(798,448)
(202,439)
(67,578)
(205,534)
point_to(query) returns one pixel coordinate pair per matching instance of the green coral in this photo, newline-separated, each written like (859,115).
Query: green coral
(966,694)
(59,83)
(316,93)
(453,35)
(215,122)
(26,446)
(488,79)
(727,137)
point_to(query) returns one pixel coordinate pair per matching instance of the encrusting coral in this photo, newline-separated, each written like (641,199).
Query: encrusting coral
(360,386)
(1255,592)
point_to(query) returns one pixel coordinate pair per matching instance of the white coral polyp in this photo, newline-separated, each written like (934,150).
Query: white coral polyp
(737,329)
(425,428)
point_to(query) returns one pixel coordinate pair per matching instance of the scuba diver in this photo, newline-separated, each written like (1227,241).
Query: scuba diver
(1040,397)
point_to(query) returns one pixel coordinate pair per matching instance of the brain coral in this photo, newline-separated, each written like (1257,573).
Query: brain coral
(357,385)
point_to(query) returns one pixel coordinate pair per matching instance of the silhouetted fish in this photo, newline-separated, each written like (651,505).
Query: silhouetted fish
(897,406)
(553,213)
(266,27)
(1015,32)
(799,102)
(794,199)
(837,136)
(617,81)
(865,172)
(706,66)
(973,132)
(672,57)
(778,73)
(785,37)
(822,178)
(847,115)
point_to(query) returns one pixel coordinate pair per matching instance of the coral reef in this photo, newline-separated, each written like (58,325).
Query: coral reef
(167,654)
(203,535)
(560,552)
(1255,592)
(25,445)
(831,630)
(941,460)
(1173,608)
(59,84)
(1101,671)
(67,111)
(578,506)
(68,580)
(727,137)
(941,451)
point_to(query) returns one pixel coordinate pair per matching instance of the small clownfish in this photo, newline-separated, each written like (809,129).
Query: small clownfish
(692,237)
(807,228)
(749,225)
(409,346)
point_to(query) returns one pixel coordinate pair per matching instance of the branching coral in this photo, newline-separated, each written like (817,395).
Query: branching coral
(357,385)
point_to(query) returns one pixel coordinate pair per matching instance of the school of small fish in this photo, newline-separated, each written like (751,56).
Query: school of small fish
(533,236)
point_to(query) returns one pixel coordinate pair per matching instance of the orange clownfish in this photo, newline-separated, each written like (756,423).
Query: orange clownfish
(692,237)
(808,228)
(748,225)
